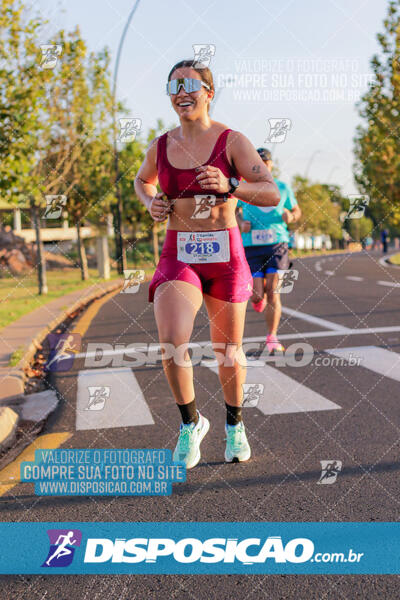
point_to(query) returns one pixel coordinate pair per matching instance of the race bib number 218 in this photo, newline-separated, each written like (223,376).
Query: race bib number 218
(203,246)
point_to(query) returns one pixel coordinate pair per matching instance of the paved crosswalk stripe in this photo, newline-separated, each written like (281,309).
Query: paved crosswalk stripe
(110,398)
(311,319)
(282,394)
(375,359)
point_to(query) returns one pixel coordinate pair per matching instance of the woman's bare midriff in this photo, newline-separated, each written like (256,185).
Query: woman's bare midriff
(187,216)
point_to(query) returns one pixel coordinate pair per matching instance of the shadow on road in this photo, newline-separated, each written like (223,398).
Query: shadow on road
(190,488)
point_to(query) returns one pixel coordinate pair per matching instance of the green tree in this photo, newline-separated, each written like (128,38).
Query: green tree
(21,90)
(76,152)
(320,210)
(359,229)
(377,140)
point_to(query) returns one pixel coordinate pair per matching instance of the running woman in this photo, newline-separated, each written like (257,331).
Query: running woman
(196,164)
(265,238)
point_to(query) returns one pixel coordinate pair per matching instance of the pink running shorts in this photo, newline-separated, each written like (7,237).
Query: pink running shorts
(230,281)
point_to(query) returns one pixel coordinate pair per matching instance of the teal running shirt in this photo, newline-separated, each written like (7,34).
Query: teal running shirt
(267,225)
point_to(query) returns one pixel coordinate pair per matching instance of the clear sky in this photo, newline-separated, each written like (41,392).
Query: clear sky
(302,60)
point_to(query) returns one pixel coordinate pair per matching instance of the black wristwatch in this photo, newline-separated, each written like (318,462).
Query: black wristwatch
(234,183)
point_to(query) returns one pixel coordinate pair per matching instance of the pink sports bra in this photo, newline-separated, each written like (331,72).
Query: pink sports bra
(182,183)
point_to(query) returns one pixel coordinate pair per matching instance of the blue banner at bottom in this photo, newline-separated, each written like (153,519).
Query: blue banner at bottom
(199,548)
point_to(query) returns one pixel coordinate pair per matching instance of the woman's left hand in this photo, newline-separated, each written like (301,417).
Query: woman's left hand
(212,179)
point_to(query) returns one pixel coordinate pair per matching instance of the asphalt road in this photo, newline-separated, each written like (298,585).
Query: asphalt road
(325,411)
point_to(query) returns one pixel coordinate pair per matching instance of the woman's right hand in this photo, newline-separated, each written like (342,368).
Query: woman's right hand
(245,226)
(160,207)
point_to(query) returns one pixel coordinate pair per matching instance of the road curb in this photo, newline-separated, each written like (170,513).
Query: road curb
(35,344)
(324,254)
(9,420)
(17,375)
(385,260)
(389,262)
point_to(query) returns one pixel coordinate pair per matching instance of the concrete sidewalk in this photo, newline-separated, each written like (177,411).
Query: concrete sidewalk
(30,330)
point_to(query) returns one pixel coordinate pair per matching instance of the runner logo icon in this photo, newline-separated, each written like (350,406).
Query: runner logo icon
(54,206)
(252,393)
(330,471)
(132,281)
(278,129)
(50,55)
(204,203)
(203,54)
(286,279)
(358,204)
(129,128)
(62,348)
(98,395)
(63,543)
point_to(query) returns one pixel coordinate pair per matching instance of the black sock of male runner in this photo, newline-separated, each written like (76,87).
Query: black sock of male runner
(233,414)
(188,412)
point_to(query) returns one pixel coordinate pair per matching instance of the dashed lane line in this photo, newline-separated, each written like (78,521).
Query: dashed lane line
(389,283)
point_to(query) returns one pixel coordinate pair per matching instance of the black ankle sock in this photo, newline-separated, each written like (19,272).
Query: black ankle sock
(233,414)
(188,412)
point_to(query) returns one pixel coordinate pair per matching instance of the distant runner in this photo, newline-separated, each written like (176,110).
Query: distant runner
(384,240)
(265,238)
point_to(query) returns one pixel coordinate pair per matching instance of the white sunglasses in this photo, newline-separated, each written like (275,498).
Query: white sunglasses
(188,84)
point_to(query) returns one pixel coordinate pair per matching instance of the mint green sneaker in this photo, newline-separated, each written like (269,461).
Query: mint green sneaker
(190,436)
(237,447)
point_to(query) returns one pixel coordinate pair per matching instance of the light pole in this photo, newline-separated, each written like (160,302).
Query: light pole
(332,171)
(313,155)
(119,242)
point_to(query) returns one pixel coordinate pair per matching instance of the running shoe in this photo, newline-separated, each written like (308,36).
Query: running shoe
(274,345)
(259,306)
(188,446)
(237,447)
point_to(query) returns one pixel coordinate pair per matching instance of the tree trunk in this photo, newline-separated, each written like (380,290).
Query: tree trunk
(155,243)
(40,259)
(119,240)
(82,253)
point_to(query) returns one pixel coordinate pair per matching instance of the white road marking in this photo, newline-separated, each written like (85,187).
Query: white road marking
(283,336)
(125,406)
(317,334)
(354,278)
(282,394)
(329,272)
(389,283)
(312,319)
(318,266)
(374,358)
